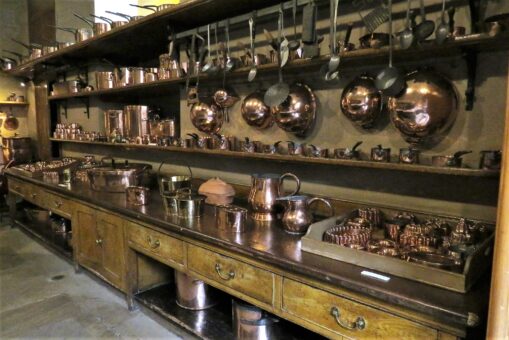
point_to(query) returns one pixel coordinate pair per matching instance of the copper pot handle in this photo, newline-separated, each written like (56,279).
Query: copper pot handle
(327,203)
(358,324)
(295,178)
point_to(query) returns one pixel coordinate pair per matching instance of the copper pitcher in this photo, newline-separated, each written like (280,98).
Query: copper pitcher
(265,189)
(298,217)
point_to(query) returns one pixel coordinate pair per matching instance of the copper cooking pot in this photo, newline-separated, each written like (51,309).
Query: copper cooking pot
(255,112)
(298,112)
(362,102)
(427,109)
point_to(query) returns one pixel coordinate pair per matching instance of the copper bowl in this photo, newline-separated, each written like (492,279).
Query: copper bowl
(207,117)
(298,112)
(427,109)
(255,112)
(362,102)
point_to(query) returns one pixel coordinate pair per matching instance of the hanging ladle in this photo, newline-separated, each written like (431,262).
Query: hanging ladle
(252,33)
(294,44)
(206,68)
(390,80)
(426,27)
(229,64)
(442,31)
(277,93)
(406,37)
(335,59)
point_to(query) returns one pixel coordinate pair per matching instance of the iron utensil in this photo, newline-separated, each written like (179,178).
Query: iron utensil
(294,44)
(425,27)
(277,93)
(390,80)
(406,37)
(252,33)
(442,31)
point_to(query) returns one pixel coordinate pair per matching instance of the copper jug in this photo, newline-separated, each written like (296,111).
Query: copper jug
(265,189)
(298,217)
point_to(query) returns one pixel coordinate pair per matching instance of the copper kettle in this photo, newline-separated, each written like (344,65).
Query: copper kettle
(265,189)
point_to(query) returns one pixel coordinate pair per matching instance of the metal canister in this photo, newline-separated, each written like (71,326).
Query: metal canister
(190,206)
(137,195)
(114,122)
(136,119)
(250,322)
(138,75)
(231,218)
(192,293)
(105,80)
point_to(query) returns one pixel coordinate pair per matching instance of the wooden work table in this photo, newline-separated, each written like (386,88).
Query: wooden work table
(272,271)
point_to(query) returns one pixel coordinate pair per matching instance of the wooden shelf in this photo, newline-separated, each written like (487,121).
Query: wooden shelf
(141,40)
(212,323)
(37,232)
(300,159)
(9,103)
(428,51)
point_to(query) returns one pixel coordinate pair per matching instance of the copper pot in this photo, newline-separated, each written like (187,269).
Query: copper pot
(255,113)
(362,102)
(427,109)
(298,112)
(207,117)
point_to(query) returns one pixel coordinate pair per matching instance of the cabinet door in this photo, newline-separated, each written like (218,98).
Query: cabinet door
(86,242)
(111,235)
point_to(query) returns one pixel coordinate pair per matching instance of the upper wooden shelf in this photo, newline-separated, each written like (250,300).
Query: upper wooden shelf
(144,39)
(11,103)
(300,159)
(356,58)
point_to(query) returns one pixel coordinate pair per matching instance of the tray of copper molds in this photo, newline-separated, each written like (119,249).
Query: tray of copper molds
(37,169)
(451,253)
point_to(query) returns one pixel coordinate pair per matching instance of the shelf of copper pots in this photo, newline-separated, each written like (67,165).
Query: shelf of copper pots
(128,44)
(449,171)
(354,58)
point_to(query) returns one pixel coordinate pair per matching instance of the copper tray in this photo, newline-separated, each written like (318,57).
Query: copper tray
(475,264)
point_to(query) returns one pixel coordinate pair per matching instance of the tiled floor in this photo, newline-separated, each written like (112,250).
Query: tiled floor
(41,296)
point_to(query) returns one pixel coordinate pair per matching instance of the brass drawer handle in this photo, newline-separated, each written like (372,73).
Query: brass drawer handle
(153,244)
(358,324)
(17,187)
(226,277)
(99,242)
(58,204)
(34,195)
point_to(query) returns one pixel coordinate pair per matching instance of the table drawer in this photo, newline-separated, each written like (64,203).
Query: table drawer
(57,204)
(34,195)
(17,187)
(163,247)
(242,277)
(343,317)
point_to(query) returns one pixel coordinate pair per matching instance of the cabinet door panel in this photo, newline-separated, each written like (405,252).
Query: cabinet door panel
(84,227)
(111,233)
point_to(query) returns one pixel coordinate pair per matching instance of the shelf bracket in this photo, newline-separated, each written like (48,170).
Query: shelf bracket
(471,59)
(475,7)
(64,106)
(86,102)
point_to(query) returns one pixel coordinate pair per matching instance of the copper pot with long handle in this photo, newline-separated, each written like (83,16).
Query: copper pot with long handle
(265,189)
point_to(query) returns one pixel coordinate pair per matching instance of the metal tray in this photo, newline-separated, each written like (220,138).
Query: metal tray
(475,264)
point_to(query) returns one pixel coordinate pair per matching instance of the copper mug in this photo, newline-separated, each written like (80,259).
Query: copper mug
(379,154)
(137,195)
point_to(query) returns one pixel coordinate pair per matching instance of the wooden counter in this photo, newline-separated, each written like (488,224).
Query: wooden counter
(264,266)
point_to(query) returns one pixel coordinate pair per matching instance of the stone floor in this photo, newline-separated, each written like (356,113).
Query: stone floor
(42,297)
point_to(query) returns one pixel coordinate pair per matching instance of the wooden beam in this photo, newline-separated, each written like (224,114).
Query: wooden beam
(498,325)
